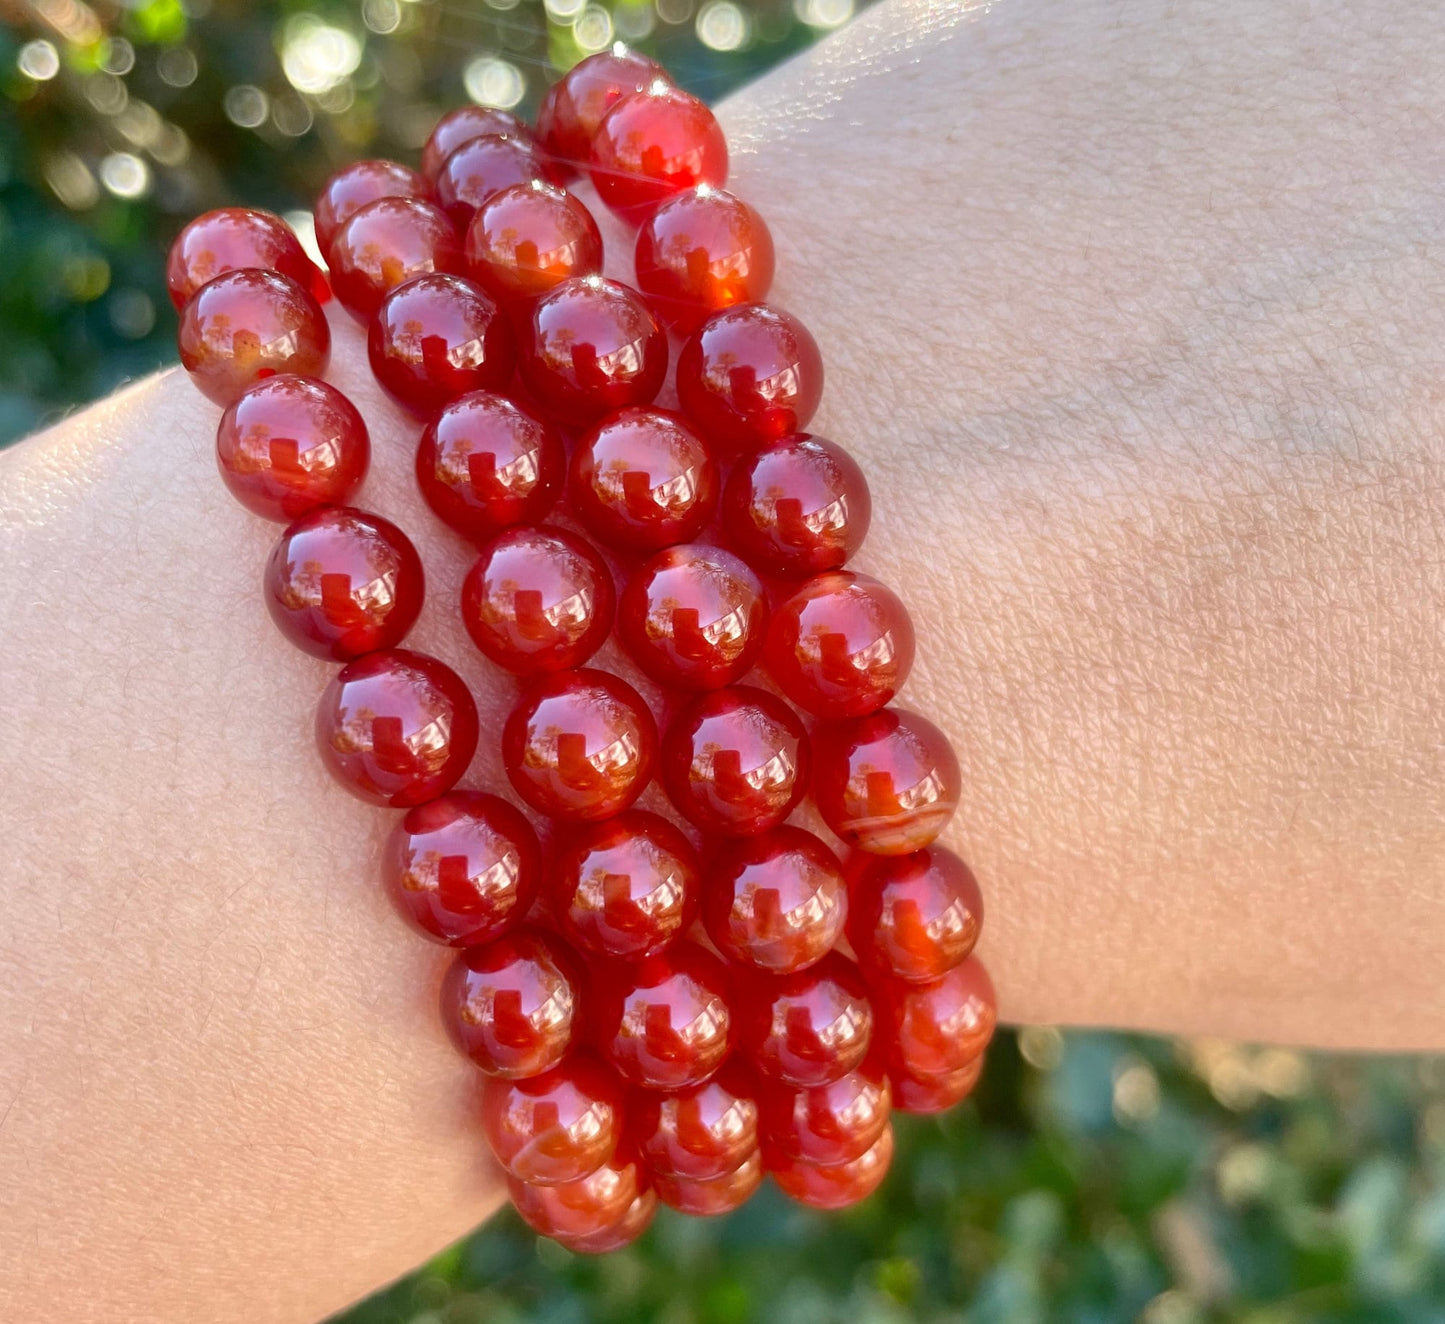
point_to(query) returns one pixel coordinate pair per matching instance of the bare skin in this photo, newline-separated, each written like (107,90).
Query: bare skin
(1134,316)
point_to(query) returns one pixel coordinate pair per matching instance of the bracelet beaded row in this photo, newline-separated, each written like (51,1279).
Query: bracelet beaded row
(654,1021)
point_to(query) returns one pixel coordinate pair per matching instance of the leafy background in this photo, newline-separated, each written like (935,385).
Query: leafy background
(1094,1177)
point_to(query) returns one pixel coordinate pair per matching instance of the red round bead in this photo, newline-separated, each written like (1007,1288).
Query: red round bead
(797,508)
(290,444)
(513,1005)
(935,1094)
(594,1214)
(592,347)
(653,144)
(232,239)
(775,901)
(461,126)
(485,464)
(464,868)
(386,243)
(807,1028)
(665,1021)
(580,744)
(435,338)
(342,582)
(701,251)
(916,916)
(735,761)
(837,1185)
(828,1124)
(574,105)
(940,1027)
(643,480)
(556,1127)
(700,1133)
(887,783)
(249,324)
(397,728)
(538,599)
(693,617)
(750,376)
(627,886)
(530,237)
(480,169)
(707,1197)
(353,186)
(841,646)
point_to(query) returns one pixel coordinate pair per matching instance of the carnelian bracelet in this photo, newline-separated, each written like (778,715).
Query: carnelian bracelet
(654,1021)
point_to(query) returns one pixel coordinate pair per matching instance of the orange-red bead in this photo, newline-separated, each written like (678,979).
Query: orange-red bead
(834,1123)
(480,169)
(938,1028)
(838,1185)
(701,251)
(580,744)
(775,901)
(538,599)
(397,728)
(599,1212)
(806,1028)
(914,917)
(386,243)
(231,239)
(462,869)
(513,1005)
(247,325)
(841,646)
(290,444)
(342,582)
(530,237)
(625,887)
(653,144)
(461,126)
(486,464)
(708,1197)
(556,1127)
(574,105)
(934,1094)
(353,186)
(700,1133)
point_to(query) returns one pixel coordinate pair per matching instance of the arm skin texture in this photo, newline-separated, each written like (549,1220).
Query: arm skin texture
(1134,313)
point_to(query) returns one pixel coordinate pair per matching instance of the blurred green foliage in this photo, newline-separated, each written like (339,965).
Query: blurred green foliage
(1095,1177)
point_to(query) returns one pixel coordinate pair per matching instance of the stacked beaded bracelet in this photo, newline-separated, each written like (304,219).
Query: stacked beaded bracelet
(654,1022)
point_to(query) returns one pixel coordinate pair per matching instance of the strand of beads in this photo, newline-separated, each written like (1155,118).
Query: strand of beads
(655,1020)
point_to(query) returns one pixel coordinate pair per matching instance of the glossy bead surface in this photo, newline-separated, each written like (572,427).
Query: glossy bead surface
(887,783)
(461,126)
(396,728)
(574,105)
(538,599)
(530,237)
(838,1185)
(750,376)
(587,1214)
(693,617)
(664,1022)
(556,1127)
(480,169)
(353,186)
(776,901)
(386,243)
(485,464)
(615,1236)
(914,917)
(938,1028)
(342,582)
(580,744)
(708,1197)
(437,337)
(700,1133)
(833,1123)
(925,1096)
(464,868)
(625,887)
(642,480)
(592,347)
(841,646)
(736,761)
(797,508)
(808,1028)
(247,325)
(701,251)
(513,1005)
(653,144)
(290,444)
(231,239)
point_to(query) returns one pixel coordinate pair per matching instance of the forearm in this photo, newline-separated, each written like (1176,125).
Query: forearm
(1135,329)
